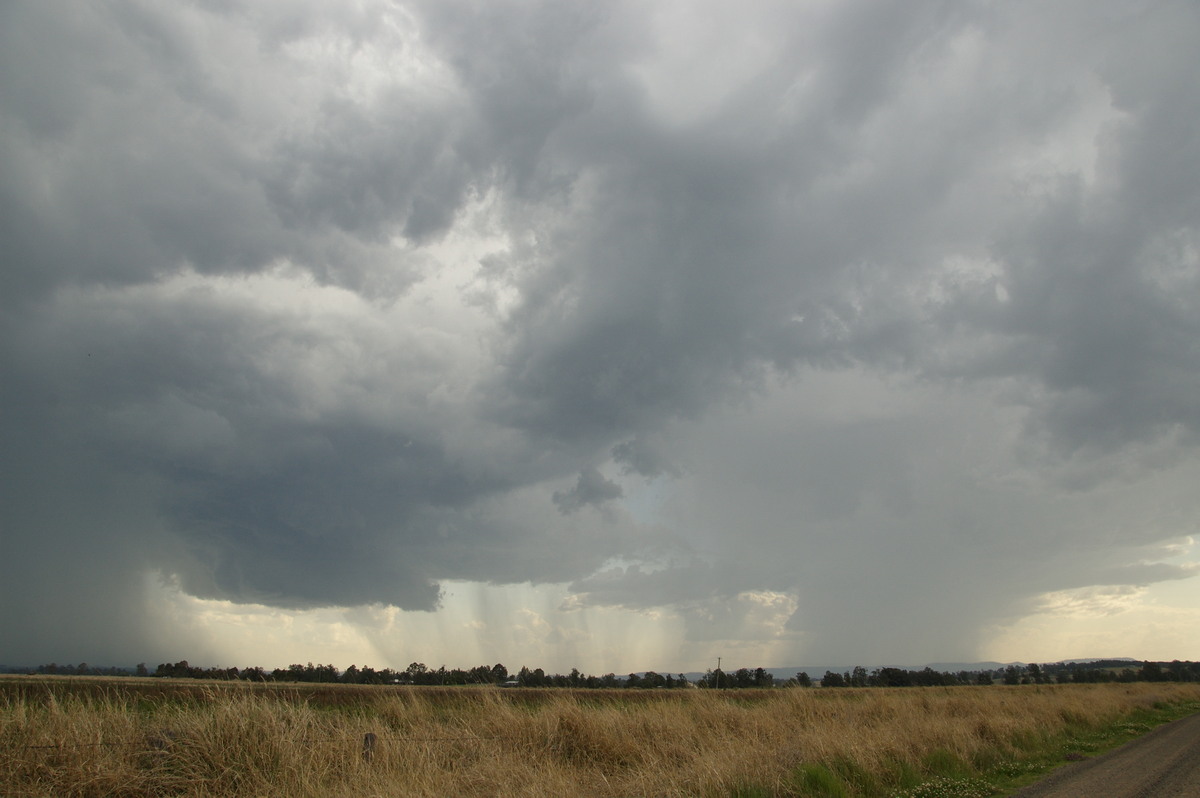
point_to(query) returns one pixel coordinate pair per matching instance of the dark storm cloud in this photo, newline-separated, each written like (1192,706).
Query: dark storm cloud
(591,489)
(217,363)
(144,140)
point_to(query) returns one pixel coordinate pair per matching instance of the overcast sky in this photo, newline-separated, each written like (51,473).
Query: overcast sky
(607,335)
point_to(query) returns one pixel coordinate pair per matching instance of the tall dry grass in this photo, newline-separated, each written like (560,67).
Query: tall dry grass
(221,741)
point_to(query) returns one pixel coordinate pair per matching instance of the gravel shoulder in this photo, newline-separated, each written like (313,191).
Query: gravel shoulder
(1165,763)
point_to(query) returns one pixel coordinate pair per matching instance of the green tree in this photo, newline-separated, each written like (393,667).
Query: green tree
(831,679)
(893,677)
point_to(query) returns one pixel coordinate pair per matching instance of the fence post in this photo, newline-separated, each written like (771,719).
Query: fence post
(368,746)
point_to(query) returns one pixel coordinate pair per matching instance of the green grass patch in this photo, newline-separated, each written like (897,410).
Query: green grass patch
(941,763)
(857,779)
(815,780)
(902,775)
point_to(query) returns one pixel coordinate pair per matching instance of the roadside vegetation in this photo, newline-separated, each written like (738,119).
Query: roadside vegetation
(79,736)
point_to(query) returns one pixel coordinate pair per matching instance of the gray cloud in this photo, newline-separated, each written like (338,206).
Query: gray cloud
(591,489)
(850,301)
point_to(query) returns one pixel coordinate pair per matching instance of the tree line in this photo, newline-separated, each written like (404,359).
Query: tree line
(1054,673)
(417,673)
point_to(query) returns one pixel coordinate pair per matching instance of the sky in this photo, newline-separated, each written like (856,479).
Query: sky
(607,335)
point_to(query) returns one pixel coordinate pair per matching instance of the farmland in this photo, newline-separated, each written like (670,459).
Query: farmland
(133,737)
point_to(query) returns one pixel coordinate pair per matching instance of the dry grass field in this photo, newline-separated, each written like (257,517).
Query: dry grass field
(127,737)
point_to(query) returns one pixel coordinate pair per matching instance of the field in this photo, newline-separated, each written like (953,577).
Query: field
(129,737)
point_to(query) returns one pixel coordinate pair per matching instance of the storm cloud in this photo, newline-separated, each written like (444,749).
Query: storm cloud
(857,327)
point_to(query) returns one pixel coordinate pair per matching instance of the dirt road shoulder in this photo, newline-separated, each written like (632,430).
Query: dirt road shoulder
(1165,763)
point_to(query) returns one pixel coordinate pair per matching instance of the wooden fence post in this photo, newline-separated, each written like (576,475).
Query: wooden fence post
(368,746)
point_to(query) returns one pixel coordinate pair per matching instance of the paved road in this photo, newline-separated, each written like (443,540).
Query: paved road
(1162,764)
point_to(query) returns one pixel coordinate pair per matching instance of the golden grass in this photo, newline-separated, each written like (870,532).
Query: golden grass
(119,738)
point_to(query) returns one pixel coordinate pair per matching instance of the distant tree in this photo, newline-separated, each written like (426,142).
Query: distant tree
(1181,671)
(179,670)
(141,670)
(892,677)
(803,679)
(928,677)
(255,674)
(650,679)
(1150,672)
(499,673)
(831,679)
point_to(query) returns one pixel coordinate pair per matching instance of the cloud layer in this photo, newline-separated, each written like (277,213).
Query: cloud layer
(855,326)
